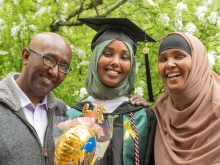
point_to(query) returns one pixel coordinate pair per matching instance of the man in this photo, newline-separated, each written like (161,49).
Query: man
(27,105)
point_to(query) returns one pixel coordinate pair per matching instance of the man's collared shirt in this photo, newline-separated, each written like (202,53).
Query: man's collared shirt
(36,116)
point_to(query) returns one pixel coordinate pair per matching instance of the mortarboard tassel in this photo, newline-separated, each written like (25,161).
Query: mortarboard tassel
(149,86)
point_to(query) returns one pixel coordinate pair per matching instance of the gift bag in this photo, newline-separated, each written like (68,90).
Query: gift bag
(82,140)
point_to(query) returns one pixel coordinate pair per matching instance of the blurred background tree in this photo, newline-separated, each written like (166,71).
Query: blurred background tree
(20,20)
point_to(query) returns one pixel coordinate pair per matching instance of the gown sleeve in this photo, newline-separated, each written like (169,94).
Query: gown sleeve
(149,158)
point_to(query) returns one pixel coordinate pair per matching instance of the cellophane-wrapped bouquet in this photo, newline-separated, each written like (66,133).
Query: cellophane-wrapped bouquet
(82,140)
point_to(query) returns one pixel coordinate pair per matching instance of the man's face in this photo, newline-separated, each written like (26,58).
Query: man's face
(38,78)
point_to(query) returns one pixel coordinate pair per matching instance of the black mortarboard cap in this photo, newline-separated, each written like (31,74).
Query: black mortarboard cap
(116,28)
(120,29)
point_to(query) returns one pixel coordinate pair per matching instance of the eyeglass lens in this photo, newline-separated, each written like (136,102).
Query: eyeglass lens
(49,61)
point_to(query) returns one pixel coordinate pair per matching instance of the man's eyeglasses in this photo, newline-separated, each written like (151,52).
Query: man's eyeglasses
(49,61)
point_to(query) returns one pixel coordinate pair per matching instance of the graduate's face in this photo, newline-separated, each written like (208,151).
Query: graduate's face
(114,63)
(174,66)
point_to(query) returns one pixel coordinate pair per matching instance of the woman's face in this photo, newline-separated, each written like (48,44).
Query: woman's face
(174,66)
(114,63)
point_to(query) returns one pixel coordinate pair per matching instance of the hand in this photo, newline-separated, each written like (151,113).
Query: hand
(137,100)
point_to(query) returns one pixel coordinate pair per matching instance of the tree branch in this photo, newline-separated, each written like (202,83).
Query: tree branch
(92,5)
(160,91)
(113,8)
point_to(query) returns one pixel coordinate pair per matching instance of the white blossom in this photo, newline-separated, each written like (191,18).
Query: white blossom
(14,31)
(164,18)
(78,66)
(3,24)
(208,2)
(15,2)
(211,57)
(178,14)
(190,28)
(217,35)
(151,3)
(137,66)
(218,49)
(218,22)
(178,24)
(84,63)
(2,21)
(23,34)
(181,6)
(217,58)
(82,92)
(2,52)
(56,21)
(139,90)
(24,28)
(65,29)
(81,53)
(142,83)
(49,9)
(39,1)
(65,7)
(23,21)
(63,18)
(41,11)
(71,32)
(76,93)
(213,17)
(33,27)
(1,2)
(130,3)
(200,12)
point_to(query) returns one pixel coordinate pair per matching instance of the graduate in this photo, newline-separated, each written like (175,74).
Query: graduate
(109,81)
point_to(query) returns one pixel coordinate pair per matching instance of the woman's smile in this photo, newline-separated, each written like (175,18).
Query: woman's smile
(114,63)
(174,66)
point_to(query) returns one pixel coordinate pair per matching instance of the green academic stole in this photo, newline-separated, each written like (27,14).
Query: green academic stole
(141,121)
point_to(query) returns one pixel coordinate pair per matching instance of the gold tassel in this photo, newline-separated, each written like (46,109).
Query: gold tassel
(146,49)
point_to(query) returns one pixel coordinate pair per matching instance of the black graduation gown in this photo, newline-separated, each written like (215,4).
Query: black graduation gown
(114,153)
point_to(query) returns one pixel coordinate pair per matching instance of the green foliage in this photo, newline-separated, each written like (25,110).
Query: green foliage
(21,20)
(216,67)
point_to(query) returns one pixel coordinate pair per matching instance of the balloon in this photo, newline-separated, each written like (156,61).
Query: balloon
(77,146)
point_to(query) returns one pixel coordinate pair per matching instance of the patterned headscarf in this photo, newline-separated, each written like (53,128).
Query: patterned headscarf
(96,88)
